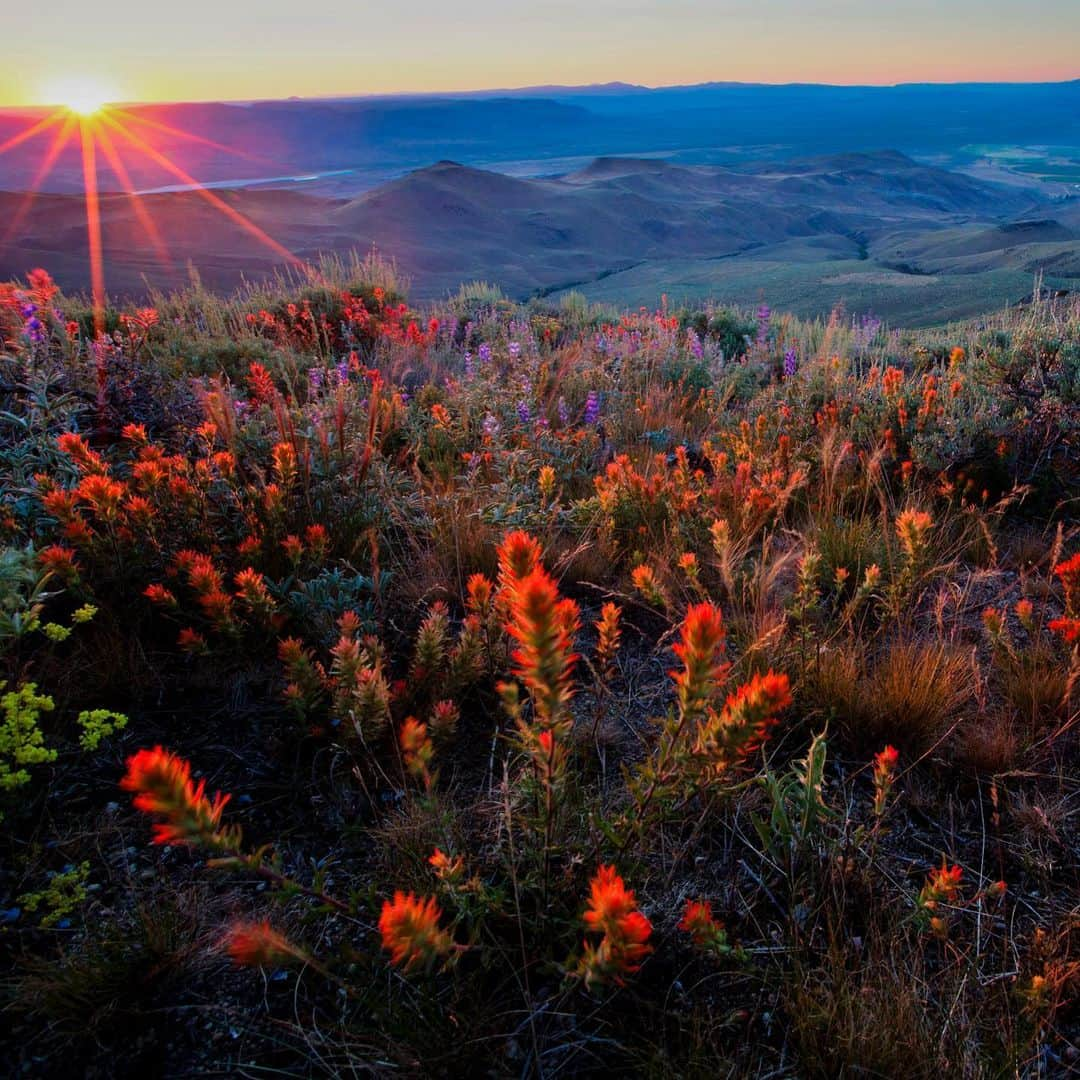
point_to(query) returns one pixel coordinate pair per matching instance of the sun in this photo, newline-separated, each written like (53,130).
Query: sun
(84,96)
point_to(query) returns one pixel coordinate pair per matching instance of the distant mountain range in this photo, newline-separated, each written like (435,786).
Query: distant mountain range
(518,131)
(733,191)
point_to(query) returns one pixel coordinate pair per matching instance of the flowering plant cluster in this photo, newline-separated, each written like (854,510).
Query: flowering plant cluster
(577,676)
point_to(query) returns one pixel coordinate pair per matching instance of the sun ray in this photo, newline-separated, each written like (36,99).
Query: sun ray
(56,148)
(169,129)
(93,223)
(234,215)
(35,129)
(108,148)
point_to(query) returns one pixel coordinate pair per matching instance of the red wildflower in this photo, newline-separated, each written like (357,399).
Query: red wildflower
(159,594)
(942,885)
(59,560)
(448,869)
(59,503)
(730,736)
(259,945)
(75,446)
(912,527)
(609,633)
(885,762)
(251,588)
(543,625)
(1069,629)
(417,749)
(1069,572)
(163,785)
(480,592)
(697,918)
(410,931)
(294,548)
(260,384)
(191,641)
(317,539)
(217,606)
(135,433)
(203,576)
(519,554)
(248,547)
(702,638)
(703,929)
(613,912)
(103,494)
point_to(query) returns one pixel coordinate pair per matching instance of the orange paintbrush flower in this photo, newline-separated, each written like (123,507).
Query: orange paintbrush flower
(613,911)
(609,901)
(76,448)
(417,749)
(519,554)
(647,583)
(480,593)
(730,736)
(942,886)
(59,560)
(1069,573)
(704,930)
(912,528)
(162,784)
(885,762)
(1069,629)
(608,636)
(410,931)
(544,625)
(701,641)
(448,869)
(260,945)
(160,594)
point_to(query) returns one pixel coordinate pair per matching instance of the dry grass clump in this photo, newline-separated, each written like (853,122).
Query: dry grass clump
(910,694)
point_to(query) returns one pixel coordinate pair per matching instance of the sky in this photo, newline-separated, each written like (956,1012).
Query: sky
(186,50)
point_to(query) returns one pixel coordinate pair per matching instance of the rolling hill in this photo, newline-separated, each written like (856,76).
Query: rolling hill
(871,230)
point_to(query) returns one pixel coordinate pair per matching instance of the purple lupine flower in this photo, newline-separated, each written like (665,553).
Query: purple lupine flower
(514,349)
(35,329)
(763,316)
(524,415)
(485,352)
(592,409)
(791,363)
(470,368)
(601,343)
(866,329)
(697,350)
(343,371)
(490,426)
(564,412)
(315,377)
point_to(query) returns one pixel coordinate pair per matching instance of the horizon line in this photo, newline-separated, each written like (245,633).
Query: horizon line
(549,88)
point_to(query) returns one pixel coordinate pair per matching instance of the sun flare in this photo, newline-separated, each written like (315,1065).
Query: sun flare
(84,96)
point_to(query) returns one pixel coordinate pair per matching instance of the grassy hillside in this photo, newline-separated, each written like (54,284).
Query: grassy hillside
(678,692)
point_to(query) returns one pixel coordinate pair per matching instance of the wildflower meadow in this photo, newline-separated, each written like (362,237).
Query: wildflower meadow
(485,689)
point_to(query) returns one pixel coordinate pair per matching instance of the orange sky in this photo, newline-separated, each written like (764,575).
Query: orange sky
(236,49)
